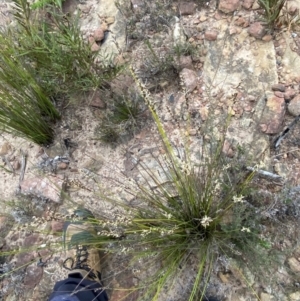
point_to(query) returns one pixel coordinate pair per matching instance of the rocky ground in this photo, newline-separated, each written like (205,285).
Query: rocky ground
(237,66)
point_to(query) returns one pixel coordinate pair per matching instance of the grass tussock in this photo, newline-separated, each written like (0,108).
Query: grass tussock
(42,3)
(25,109)
(272,10)
(63,62)
(196,209)
(44,61)
(156,14)
(123,118)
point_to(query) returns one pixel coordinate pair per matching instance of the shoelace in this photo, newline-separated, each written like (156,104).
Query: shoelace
(81,262)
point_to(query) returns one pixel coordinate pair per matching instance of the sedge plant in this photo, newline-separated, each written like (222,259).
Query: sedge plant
(198,209)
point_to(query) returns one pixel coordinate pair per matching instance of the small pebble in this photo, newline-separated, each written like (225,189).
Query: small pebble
(104,26)
(95,47)
(279,94)
(278,87)
(62,165)
(91,40)
(16,165)
(110,20)
(267,38)
(98,35)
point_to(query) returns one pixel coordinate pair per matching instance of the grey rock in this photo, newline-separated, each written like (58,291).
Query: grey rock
(23,259)
(229,6)
(267,38)
(211,35)
(33,276)
(91,40)
(294,106)
(278,87)
(95,47)
(242,22)
(187,8)
(273,115)
(251,98)
(110,20)
(293,10)
(62,165)
(248,3)
(16,165)
(98,35)
(279,94)
(256,30)
(289,94)
(137,4)
(5,149)
(266,297)
(280,51)
(96,100)
(295,296)
(294,264)
(183,62)
(228,149)
(32,240)
(57,226)
(69,6)
(189,78)
(85,8)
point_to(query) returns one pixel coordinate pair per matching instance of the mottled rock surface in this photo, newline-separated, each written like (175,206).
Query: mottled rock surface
(273,115)
(49,187)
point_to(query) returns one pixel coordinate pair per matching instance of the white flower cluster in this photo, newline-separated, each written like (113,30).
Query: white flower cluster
(238,199)
(244,229)
(206,220)
(167,215)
